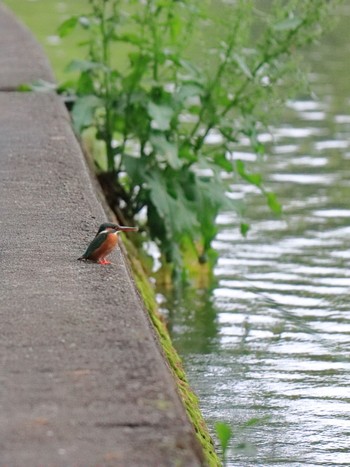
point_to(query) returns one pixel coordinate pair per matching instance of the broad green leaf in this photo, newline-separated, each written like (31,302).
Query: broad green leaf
(161,115)
(84,111)
(85,84)
(166,149)
(288,24)
(273,203)
(212,192)
(210,198)
(135,167)
(160,197)
(178,214)
(138,68)
(67,26)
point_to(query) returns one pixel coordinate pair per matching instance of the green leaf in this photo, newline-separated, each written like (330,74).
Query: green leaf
(221,161)
(129,37)
(135,167)
(67,26)
(287,24)
(175,26)
(85,83)
(166,149)
(82,65)
(213,193)
(178,214)
(39,85)
(273,203)
(210,198)
(161,115)
(84,111)
(242,65)
(189,89)
(258,147)
(254,179)
(244,229)
(139,66)
(186,152)
(224,433)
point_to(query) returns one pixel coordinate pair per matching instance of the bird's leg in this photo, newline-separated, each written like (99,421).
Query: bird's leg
(103,261)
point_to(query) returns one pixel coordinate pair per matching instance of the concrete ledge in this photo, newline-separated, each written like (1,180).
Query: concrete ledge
(83,380)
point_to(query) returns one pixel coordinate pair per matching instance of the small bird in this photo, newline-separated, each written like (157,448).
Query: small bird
(104,242)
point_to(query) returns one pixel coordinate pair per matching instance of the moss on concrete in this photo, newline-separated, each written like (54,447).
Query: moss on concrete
(188,397)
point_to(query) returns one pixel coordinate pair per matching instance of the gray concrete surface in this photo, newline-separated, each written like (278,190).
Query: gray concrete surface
(82,379)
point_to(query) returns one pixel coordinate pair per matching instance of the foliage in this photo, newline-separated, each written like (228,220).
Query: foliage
(170,123)
(225,435)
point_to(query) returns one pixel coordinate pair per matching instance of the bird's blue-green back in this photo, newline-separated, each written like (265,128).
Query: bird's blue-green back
(96,243)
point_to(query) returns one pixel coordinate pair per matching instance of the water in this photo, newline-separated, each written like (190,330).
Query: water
(270,339)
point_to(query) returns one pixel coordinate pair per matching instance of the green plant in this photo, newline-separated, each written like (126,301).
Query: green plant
(170,123)
(225,436)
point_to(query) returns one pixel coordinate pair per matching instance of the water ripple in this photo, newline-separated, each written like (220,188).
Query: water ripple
(272,337)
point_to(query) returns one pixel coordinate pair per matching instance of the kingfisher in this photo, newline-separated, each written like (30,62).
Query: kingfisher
(104,242)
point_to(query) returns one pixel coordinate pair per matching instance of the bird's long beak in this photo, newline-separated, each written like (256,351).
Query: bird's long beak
(126,228)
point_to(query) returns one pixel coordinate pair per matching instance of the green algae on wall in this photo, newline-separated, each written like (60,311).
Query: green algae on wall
(188,397)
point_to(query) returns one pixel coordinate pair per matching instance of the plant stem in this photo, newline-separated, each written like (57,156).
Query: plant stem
(266,59)
(107,97)
(213,84)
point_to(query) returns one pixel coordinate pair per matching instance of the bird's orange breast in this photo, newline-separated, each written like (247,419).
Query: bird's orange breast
(106,247)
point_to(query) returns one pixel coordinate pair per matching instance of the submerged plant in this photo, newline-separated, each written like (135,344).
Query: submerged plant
(171,109)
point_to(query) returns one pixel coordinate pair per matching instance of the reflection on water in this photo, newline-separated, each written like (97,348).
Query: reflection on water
(272,337)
